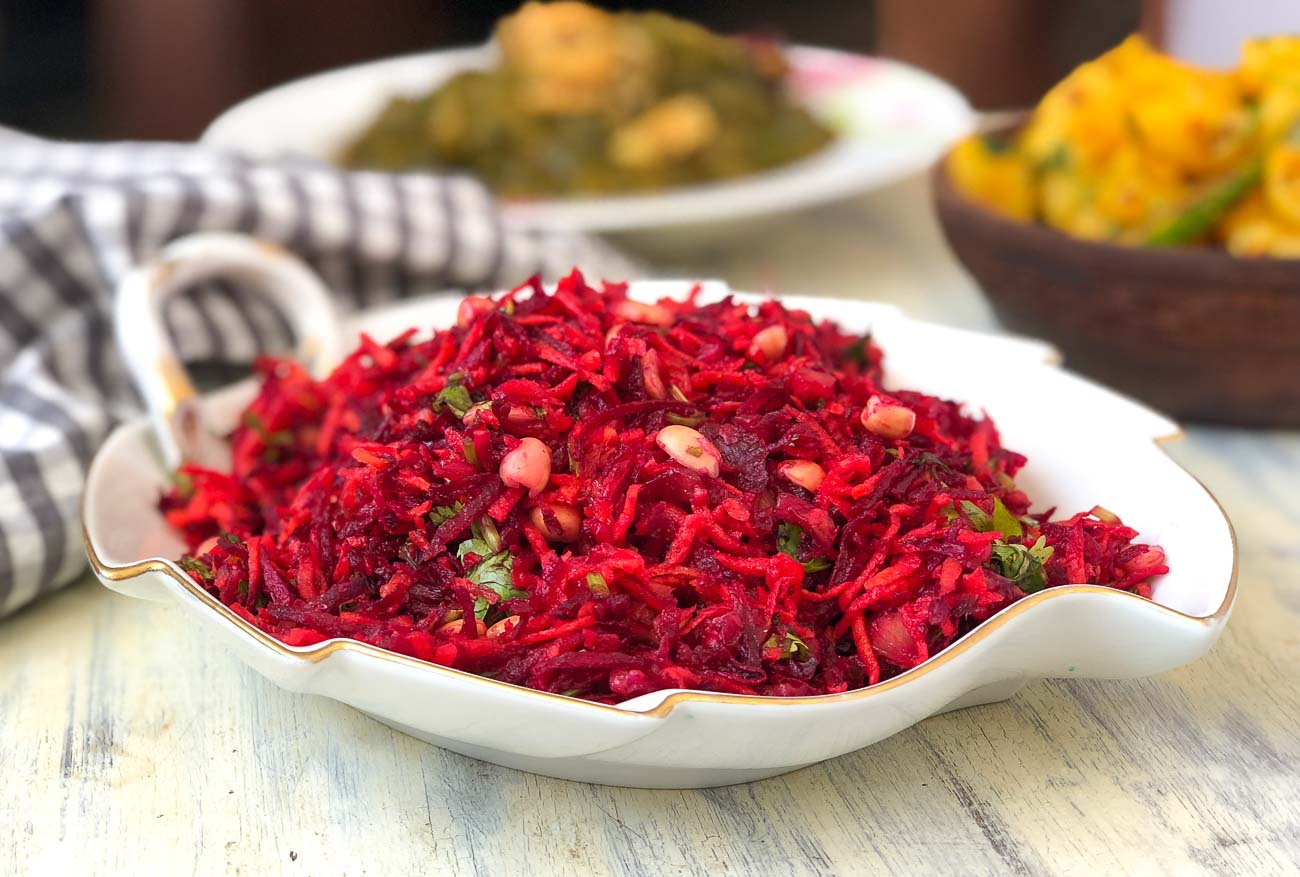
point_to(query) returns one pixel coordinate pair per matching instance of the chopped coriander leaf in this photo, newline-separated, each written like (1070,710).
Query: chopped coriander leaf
(788,537)
(979,519)
(494,567)
(455,397)
(442,513)
(791,646)
(1023,566)
(1005,522)
(195,567)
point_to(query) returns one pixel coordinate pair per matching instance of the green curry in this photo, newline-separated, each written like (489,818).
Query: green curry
(585,101)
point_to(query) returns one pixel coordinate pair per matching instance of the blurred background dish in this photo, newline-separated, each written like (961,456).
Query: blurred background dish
(1141,149)
(1145,218)
(890,120)
(1196,332)
(581,100)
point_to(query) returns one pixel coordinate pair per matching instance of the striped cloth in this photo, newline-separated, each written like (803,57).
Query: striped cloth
(75,217)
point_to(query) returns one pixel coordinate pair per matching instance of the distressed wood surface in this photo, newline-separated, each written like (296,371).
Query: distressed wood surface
(128,745)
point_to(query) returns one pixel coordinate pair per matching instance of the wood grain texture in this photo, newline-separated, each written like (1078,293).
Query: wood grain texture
(129,745)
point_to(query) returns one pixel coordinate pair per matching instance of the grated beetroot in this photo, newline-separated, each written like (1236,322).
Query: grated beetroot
(624,497)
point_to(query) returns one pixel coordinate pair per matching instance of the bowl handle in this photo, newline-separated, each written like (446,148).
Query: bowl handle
(158,374)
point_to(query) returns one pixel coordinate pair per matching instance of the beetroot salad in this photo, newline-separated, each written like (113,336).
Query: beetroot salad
(593,496)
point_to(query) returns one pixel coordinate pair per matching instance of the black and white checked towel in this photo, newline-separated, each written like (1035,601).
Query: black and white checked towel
(75,217)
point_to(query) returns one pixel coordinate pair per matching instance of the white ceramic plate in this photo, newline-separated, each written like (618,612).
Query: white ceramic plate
(1085,444)
(893,120)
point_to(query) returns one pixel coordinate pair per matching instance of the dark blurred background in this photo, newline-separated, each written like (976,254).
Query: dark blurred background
(165,68)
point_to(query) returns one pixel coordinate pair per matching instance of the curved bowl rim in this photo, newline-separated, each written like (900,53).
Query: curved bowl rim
(1174,262)
(318,652)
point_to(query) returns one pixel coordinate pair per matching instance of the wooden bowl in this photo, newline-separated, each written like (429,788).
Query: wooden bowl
(1197,332)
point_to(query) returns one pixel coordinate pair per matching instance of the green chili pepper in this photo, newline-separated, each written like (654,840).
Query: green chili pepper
(1202,215)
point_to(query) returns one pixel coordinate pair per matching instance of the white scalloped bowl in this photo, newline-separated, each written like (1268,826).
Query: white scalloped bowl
(1086,445)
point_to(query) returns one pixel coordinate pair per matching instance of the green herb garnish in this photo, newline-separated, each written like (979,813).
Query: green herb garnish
(788,537)
(791,647)
(196,567)
(596,583)
(1025,567)
(493,569)
(1001,521)
(455,397)
(1004,522)
(980,520)
(442,513)
(280,438)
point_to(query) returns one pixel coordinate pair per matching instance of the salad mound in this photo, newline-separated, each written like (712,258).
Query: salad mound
(599,497)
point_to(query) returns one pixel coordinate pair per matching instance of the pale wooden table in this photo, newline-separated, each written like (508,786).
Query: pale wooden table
(127,746)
